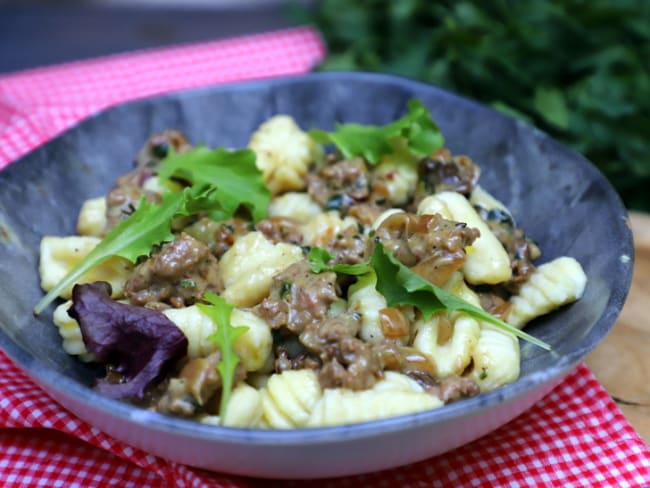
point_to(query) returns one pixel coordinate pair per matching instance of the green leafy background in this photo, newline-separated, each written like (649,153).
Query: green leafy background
(577,69)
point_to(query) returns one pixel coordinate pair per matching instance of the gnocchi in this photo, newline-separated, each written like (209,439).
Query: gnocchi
(247,268)
(289,398)
(92,217)
(60,254)
(284,153)
(487,261)
(451,355)
(340,406)
(295,205)
(323,227)
(70,332)
(552,285)
(253,347)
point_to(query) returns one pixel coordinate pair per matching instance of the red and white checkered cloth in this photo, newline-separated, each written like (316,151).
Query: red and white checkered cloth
(576,436)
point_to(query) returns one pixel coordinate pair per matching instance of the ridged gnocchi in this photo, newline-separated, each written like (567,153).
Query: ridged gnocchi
(552,285)
(247,268)
(284,153)
(341,406)
(394,381)
(253,347)
(60,254)
(70,332)
(244,409)
(289,398)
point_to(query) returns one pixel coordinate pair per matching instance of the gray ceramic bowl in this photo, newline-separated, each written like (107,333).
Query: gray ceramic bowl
(562,201)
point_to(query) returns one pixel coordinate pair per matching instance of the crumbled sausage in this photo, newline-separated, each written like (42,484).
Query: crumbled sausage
(196,387)
(449,388)
(494,303)
(178,275)
(348,246)
(158,147)
(340,185)
(298,297)
(432,246)
(304,360)
(443,172)
(281,229)
(298,302)
(521,250)
(348,361)
(123,199)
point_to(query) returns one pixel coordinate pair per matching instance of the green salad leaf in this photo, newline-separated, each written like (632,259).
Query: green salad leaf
(219,312)
(319,257)
(235,176)
(222,181)
(418,129)
(148,225)
(401,286)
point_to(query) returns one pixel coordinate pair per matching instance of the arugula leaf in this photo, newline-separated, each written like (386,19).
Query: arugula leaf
(421,133)
(225,336)
(319,257)
(234,174)
(401,286)
(133,237)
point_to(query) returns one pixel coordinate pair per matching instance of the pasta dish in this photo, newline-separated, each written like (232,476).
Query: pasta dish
(310,279)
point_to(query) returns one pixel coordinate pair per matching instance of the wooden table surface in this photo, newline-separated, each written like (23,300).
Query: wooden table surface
(622,361)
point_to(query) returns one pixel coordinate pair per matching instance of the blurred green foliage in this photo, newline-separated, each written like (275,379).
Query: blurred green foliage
(578,69)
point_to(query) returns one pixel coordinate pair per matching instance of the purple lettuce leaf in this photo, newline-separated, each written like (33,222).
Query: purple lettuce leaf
(139,343)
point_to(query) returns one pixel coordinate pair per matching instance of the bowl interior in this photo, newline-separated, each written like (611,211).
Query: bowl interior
(558,197)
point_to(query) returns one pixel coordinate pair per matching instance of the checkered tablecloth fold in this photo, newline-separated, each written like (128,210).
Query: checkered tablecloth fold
(576,436)
(38,104)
